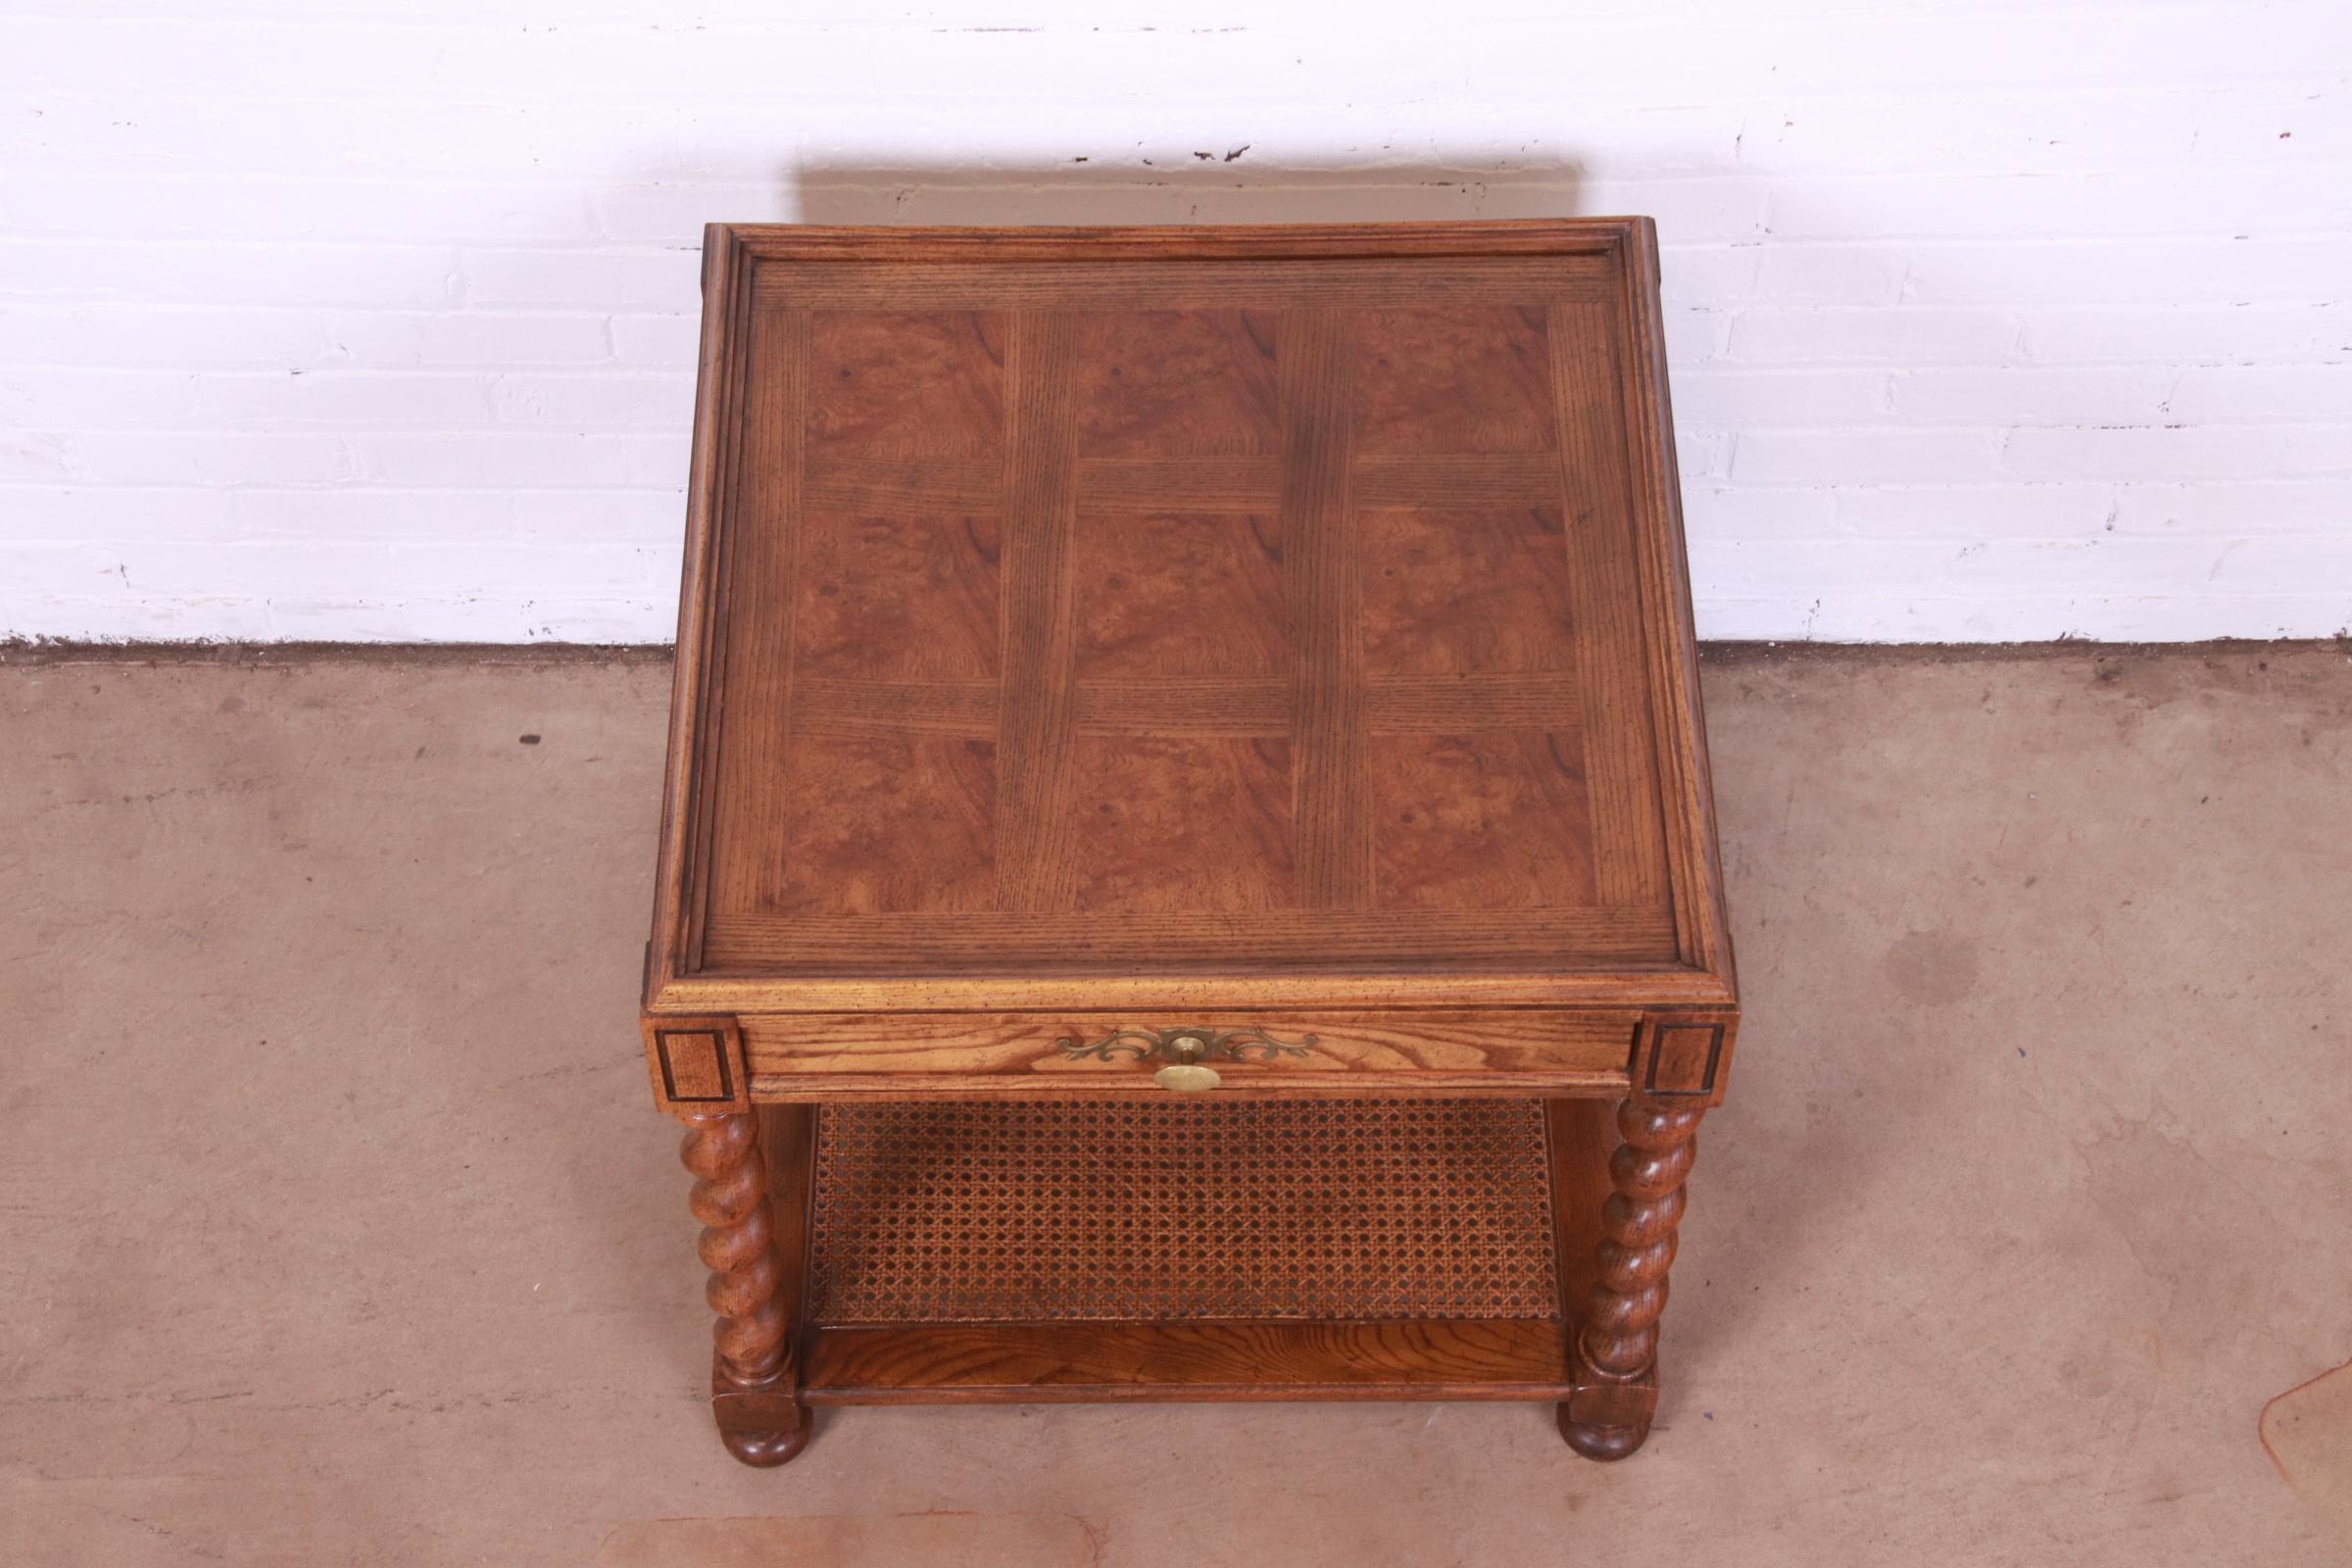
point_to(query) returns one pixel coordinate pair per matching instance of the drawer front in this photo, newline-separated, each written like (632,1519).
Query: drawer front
(812,1056)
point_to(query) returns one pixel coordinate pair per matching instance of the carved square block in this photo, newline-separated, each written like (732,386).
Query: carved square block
(697,1065)
(1683,1058)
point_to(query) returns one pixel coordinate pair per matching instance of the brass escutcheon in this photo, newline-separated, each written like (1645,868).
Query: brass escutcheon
(1184,1046)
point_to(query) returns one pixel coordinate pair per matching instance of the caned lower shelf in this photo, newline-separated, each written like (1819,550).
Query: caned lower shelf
(1186,1248)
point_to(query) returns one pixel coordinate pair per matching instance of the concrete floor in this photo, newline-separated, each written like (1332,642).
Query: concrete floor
(339,1227)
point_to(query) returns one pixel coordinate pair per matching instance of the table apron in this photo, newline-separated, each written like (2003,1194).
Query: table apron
(812,1056)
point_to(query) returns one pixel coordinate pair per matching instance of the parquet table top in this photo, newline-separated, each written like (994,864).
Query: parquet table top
(1279,618)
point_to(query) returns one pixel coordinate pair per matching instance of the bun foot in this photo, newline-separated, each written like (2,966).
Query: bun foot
(1607,1419)
(766,1448)
(1598,1441)
(761,1427)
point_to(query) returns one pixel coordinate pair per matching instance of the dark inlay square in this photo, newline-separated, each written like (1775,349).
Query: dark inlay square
(693,1065)
(1682,1061)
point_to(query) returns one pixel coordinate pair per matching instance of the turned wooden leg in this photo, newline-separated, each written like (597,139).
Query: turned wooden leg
(754,1384)
(1614,1354)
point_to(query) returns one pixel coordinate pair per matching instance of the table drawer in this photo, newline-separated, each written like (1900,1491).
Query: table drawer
(812,1056)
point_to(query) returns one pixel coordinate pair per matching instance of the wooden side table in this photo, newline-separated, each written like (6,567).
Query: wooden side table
(1188,869)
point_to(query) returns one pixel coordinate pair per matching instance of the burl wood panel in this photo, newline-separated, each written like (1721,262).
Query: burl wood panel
(1291,615)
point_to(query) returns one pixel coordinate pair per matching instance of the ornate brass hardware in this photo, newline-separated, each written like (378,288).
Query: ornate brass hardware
(1188,1076)
(1184,1046)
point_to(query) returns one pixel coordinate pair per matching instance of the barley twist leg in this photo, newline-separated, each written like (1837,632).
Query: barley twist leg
(1616,1343)
(752,1372)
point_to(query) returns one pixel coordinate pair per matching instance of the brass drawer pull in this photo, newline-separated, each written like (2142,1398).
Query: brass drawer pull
(1187,1077)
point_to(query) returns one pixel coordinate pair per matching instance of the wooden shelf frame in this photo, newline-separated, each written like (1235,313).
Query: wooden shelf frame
(1063,1361)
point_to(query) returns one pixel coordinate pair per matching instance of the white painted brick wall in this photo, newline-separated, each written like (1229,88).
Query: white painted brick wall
(374,320)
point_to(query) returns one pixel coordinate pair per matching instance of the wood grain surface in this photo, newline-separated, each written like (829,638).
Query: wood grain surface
(1293,616)
(1038,1362)
(1265,647)
(995,1055)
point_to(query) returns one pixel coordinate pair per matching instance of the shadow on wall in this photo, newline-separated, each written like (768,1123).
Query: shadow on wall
(1213,186)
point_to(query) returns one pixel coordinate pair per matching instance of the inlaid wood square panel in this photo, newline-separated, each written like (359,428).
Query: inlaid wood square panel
(1069,603)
